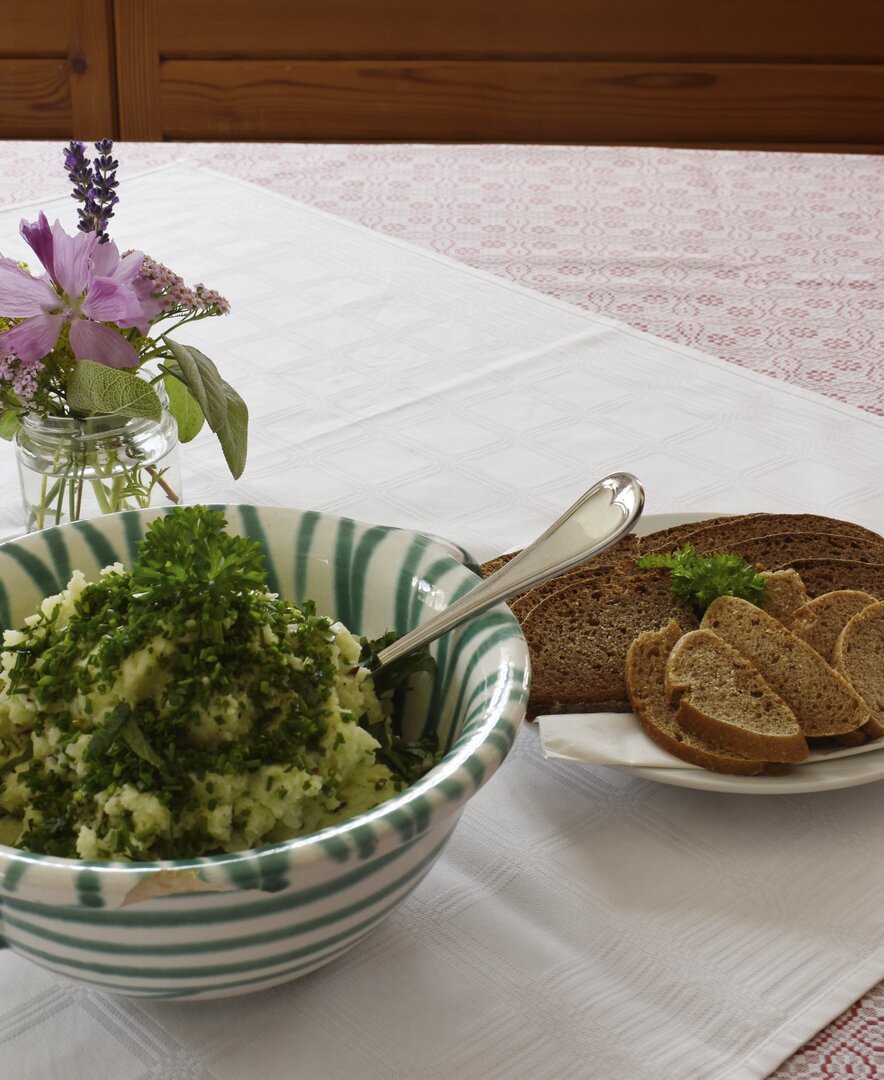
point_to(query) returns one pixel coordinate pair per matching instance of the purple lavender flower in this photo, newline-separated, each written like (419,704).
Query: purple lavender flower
(94,185)
(86,284)
(78,169)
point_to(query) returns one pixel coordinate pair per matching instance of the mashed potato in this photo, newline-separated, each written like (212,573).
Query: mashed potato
(181,709)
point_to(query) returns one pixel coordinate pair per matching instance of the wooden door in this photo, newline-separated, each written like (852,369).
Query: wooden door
(56,70)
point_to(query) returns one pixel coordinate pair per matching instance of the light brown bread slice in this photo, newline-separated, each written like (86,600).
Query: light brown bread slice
(578,639)
(645,666)
(785,593)
(821,698)
(826,575)
(859,656)
(720,696)
(819,622)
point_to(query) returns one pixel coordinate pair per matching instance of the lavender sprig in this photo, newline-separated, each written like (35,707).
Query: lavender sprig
(94,185)
(78,169)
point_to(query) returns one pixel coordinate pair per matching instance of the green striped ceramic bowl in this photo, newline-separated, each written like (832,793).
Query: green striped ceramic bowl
(224,925)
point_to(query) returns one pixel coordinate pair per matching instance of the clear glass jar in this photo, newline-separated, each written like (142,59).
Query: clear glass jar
(71,469)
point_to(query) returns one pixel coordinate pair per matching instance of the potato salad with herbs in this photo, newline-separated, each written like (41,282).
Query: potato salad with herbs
(180,709)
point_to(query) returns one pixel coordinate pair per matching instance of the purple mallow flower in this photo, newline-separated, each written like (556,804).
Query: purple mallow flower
(86,284)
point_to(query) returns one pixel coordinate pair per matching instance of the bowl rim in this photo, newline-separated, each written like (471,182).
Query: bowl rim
(424,798)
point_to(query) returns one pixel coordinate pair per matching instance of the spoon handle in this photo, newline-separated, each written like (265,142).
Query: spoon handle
(596,521)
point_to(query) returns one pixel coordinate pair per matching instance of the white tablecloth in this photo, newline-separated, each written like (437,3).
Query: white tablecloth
(582,923)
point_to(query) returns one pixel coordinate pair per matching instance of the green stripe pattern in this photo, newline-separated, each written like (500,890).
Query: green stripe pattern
(226,925)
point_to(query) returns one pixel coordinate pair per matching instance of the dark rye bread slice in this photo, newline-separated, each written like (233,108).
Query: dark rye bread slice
(826,575)
(645,669)
(721,696)
(786,591)
(619,558)
(859,656)
(589,577)
(578,639)
(612,610)
(819,622)
(720,534)
(675,535)
(821,698)
(777,549)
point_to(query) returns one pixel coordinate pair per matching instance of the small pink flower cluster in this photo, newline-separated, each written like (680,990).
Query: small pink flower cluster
(174,294)
(21,375)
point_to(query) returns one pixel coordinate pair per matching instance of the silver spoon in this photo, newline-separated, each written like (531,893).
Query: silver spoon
(596,521)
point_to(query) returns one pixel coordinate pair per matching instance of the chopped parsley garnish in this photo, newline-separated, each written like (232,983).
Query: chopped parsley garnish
(697,580)
(230,680)
(407,760)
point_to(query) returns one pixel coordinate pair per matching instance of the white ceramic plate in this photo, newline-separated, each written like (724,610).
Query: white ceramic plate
(821,776)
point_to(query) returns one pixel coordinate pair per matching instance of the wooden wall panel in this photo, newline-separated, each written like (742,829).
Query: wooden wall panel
(57,71)
(92,69)
(35,100)
(34,29)
(716,30)
(667,72)
(138,69)
(520,101)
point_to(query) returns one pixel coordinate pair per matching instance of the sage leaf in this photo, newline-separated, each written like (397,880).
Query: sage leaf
(184,407)
(225,411)
(96,390)
(10,422)
(201,378)
(235,438)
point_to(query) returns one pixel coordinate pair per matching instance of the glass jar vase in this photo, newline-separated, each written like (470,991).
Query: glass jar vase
(71,469)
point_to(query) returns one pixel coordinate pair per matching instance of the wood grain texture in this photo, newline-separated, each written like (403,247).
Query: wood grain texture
(522,101)
(747,73)
(138,69)
(34,29)
(35,100)
(91,70)
(753,30)
(56,71)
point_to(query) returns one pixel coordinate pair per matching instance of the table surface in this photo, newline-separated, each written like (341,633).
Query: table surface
(772,262)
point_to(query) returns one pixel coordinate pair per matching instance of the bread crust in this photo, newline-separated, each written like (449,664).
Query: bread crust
(859,656)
